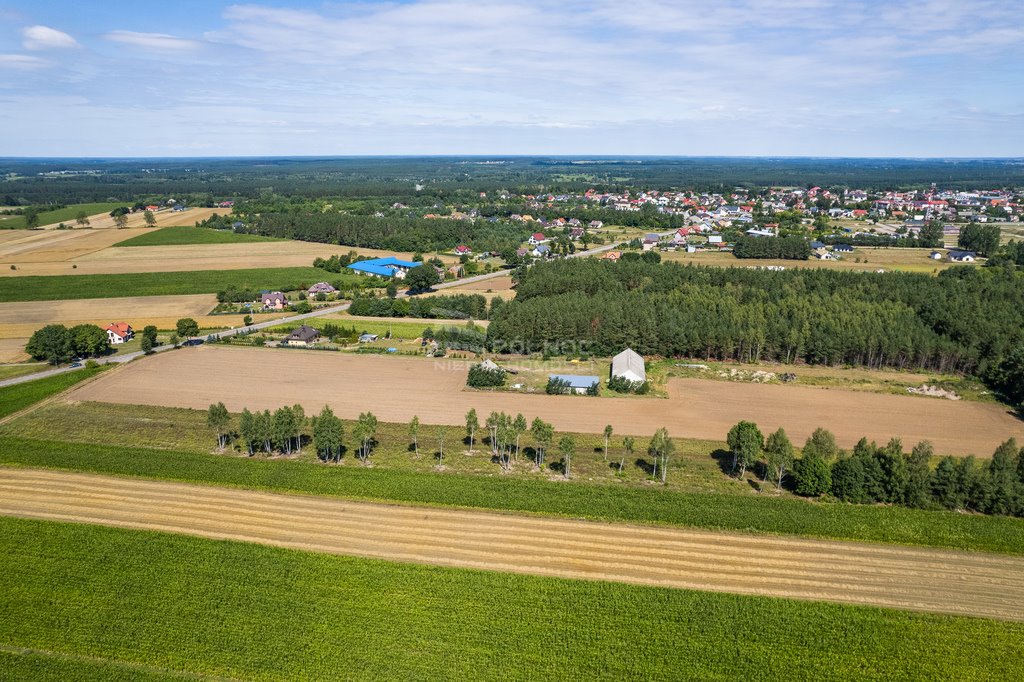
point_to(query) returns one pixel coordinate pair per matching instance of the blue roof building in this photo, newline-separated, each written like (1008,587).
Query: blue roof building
(384,267)
(577,383)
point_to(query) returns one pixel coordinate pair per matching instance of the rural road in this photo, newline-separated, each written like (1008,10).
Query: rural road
(128,357)
(919,579)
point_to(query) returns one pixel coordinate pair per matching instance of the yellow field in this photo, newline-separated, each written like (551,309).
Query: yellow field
(872,258)
(13,350)
(19,320)
(164,218)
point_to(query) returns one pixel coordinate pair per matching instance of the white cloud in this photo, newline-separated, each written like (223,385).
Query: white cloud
(46,38)
(152,41)
(21,62)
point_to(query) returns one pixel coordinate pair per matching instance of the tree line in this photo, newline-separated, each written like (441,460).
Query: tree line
(56,343)
(967,319)
(391,233)
(465,306)
(787,248)
(873,474)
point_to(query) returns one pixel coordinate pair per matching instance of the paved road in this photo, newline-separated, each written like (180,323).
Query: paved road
(128,357)
(912,578)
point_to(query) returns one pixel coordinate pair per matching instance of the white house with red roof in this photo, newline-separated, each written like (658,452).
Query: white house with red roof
(537,238)
(463,250)
(119,332)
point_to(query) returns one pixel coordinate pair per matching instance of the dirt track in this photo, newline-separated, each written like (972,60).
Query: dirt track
(893,576)
(397,388)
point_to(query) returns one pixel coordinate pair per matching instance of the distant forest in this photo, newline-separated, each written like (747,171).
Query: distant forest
(967,319)
(444,177)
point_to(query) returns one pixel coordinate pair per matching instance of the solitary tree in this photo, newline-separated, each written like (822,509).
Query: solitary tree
(422,277)
(778,451)
(661,449)
(149,218)
(414,433)
(745,442)
(607,435)
(328,434)
(543,434)
(567,446)
(187,327)
(472,424)
(82,219)
(627,449)
(519,427)
(121,221)
(218,419)
(440,444)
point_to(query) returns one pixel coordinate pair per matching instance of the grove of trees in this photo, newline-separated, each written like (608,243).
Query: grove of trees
(966,319)
(55,343)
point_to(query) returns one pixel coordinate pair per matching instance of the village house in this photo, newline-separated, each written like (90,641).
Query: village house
(322,288)
(612,255)
(579,384)
(463,250)
(537,238)
(273,300)
(303,336)
(958,256)
(119,332)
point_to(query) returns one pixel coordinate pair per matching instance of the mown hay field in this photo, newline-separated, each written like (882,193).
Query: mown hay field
(127,601)
(397,388)
(913,579)
(871,259)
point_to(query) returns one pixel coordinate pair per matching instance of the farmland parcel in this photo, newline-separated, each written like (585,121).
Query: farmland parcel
(396,389)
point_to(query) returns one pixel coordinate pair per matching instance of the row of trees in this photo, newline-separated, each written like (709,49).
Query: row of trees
(390,233)
(887,474)
(55,343)
(787,248)
(966,319)
(465,306)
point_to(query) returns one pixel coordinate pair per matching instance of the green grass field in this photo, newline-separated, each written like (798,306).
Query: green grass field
(19,396)
(133,601)
(745,513)
(66,287)
(173,236)
(61,215)
(21,369)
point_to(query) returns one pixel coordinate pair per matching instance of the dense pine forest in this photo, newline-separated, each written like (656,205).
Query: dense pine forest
(200,180)
(966,319)
(391,233)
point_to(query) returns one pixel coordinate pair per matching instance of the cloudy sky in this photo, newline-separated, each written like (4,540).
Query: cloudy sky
(672,77)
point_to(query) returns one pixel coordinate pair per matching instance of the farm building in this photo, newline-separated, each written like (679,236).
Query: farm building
(842,248)
(629,365)
(577,383)
(119,332)
(935,255)
(958,256)
(303,336)
(273,300)
(384,267)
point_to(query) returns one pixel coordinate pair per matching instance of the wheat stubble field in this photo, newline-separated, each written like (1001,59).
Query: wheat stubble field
(397,388)
(882,575)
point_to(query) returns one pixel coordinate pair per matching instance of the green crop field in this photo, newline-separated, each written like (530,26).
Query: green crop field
(128,601)
(19,396)
(61,215)
(173,236)
(745,513)
(66,287)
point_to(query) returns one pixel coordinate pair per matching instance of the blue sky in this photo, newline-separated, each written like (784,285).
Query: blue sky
(732,77)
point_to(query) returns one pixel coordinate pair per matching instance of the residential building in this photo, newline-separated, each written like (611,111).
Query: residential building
(119,332)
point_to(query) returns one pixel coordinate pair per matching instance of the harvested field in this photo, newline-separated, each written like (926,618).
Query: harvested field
(397,388)
(21,319)
(13,350)
(98,255)
(918,579)
(165,218)
(872,258)
(38,247)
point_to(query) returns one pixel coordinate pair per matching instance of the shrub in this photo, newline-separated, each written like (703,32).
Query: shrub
(484,377)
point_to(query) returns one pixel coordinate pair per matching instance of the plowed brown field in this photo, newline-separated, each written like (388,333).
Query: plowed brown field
(397,388)
(881,575)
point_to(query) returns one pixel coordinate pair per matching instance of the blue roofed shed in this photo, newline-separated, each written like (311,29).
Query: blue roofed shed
(578,383)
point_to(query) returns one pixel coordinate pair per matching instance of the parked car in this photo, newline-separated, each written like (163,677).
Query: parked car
(75,364)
